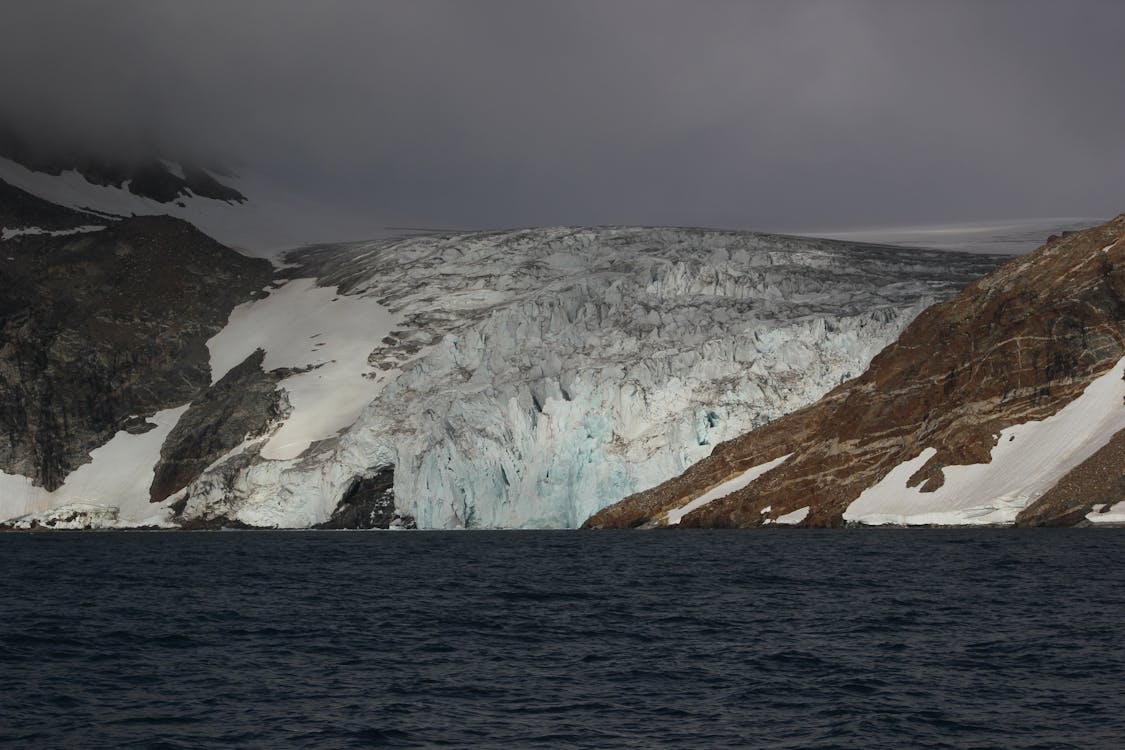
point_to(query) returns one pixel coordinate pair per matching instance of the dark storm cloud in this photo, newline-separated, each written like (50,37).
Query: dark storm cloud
(749,114)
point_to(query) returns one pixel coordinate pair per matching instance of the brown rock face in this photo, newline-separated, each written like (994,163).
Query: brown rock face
(1017,345)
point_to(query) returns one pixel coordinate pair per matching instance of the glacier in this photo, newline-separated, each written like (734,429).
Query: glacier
(528,378)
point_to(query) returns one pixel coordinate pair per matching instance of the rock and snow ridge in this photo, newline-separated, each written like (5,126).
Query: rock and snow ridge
(225,215)
(109,492)
(526,378)
(102,336)
(1003,405)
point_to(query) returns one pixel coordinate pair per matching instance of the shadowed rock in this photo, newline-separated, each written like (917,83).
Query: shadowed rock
(241,405)
(369,503)
(98,328)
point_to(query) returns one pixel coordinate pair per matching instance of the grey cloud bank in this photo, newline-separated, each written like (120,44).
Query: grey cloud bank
(762,115)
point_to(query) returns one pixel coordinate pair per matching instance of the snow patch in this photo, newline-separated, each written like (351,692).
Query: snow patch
(793,518)
(118,477)
(731,485)
(7,234)
(264,225)
(174,168)
(1027,461)
(301,325)
(1116,514)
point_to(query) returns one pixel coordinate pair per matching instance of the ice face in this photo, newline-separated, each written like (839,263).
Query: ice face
(535,376)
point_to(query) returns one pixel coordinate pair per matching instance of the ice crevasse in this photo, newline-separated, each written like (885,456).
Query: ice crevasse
(529,378)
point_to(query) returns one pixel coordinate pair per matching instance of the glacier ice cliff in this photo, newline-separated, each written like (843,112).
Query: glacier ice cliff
(528,378)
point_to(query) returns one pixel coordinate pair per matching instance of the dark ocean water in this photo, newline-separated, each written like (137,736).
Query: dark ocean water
(760,639)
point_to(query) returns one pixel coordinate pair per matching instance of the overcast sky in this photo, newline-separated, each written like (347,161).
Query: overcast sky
(764,115)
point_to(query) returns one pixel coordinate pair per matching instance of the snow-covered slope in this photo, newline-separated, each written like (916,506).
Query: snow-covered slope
(260,225)
(528,378)
(111,490)
(1027,460)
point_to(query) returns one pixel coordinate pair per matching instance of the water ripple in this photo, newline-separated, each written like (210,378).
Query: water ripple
(847,639)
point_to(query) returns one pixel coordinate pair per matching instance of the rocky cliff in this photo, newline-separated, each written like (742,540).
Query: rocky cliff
(103,327)
(1001,405)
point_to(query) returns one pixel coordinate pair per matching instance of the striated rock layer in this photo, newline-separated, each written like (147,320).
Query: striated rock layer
(1000,405)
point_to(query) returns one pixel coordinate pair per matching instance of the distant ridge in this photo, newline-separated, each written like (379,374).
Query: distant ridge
(146,176)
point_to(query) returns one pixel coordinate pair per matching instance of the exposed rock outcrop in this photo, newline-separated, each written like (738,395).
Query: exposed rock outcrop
(1011,349)
(241,406)
(369,504)
(99,328)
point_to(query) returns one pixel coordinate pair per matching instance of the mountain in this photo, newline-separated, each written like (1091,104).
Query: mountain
(1001,405)
(145,176)
(101,325)
(102,190)
(497,379)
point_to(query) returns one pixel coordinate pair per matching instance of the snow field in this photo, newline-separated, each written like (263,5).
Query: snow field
(7,234)
(301,325)
(118,477)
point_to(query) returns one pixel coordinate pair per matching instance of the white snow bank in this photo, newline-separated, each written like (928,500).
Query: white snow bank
(1116,514)
(7,234)
(1028,460)
(724,489)
(301,325)
(795,517)
(118,477)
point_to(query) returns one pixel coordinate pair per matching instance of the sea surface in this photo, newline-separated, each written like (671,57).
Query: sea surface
(871,638)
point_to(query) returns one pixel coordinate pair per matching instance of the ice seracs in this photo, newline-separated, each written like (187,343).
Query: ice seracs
(530,377)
